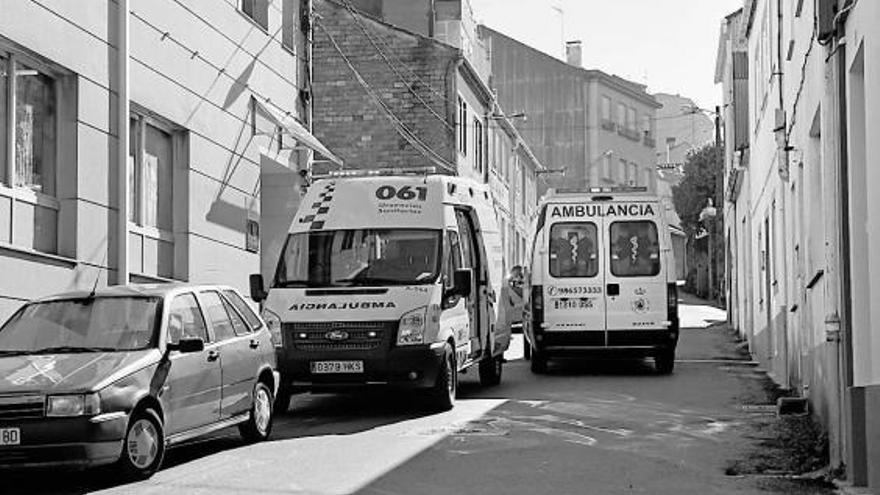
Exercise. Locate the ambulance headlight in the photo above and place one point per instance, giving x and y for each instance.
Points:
(273, 322)
(415, 324)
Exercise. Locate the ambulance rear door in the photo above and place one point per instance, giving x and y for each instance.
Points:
(635, 279)
(574, 289)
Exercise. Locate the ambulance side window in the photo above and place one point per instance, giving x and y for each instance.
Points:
(452, 260)
(635, 249)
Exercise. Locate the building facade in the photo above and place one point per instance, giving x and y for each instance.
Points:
(391, 95)
(599, 128)
(205, 100)
(800, 84)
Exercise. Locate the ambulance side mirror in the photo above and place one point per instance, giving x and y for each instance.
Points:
(462, 282)
(258, 288)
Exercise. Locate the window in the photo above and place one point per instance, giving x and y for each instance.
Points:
(606, 166)
(606, 108)
(150, 187)
(633, 176)
(462, 126)
(621, 115)
(32, 135)
(289, 19)
(252, 320)
(635, 249)
(185, 320)
(574, 250)
(217, 315)
(620, 173)
(452, 260)
(258, 10)
(478, 145)
(238, 324)
(631, 119)
(646, 125)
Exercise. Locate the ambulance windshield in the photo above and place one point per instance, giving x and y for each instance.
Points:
(360, 257)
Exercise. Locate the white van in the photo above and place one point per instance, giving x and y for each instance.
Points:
(601, 279)
(388, 277)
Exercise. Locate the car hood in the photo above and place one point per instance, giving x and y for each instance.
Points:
(74, 372)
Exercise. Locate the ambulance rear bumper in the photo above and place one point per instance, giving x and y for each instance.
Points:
(614, 342)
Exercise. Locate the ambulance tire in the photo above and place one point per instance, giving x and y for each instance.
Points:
(441, 397)
(490, 371)
(664, 361)
(539, 362)
(527, 350)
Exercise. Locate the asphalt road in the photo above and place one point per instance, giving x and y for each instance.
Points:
(599, 427)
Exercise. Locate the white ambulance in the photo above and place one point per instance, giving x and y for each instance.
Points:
(388, 277)
(601, 280)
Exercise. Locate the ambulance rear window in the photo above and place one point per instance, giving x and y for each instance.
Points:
(574, 250)
(635, 249)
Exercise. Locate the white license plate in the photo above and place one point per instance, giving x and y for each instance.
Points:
(10, 436)
(337, 366)
(573, 303)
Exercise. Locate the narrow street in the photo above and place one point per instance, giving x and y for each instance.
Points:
(603, 427)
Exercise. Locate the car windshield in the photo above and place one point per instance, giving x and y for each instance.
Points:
(82, 325)
(342, 258)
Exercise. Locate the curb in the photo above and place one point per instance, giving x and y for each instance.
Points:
(845, 488)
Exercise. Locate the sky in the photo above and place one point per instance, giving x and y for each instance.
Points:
(670, 45)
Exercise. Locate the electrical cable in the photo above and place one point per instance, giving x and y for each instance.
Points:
(399, 125)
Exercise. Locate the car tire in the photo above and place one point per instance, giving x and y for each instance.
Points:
(258, 427)
(143, 447)
(664, 361)
(539, 362)
(441, 397)
(490, 371)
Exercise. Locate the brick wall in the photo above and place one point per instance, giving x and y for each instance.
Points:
(350, 122)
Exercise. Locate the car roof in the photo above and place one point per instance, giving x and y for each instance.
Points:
(135, 290)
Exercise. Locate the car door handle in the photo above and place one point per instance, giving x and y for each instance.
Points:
(213, 355)
(255, 343)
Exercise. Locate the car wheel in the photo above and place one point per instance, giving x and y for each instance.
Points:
(539, 362)
(490, 371)
(441, 397)
(143, 448)
(664, 361)
(258, 427)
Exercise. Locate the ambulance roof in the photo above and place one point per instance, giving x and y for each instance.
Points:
(383, 201)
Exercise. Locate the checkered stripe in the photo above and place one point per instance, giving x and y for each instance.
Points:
(317, 212)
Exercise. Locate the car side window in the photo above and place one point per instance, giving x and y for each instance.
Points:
(185, 319)
(218, 316)
(250, 317)
(238, 324)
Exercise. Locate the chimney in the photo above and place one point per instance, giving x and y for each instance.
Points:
(573, 53)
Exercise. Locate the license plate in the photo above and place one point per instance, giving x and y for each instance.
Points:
(573, 303)
(337, 366)
(10, 436)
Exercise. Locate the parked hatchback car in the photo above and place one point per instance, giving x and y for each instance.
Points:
(120, 374)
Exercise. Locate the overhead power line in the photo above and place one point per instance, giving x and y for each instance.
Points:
(399, 125)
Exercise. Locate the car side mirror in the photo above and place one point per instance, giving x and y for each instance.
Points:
(462, 282)
(188, 345)
(258, 288)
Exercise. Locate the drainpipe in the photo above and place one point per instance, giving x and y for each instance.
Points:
(785, 159)
(122, 50)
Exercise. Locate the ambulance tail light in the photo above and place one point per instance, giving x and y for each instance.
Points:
(672, 299)
(537, 306)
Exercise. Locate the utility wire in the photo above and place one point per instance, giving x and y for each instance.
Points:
(409, 84)
(813, 38)
(399, 125)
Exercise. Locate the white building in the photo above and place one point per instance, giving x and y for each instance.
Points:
(801, 91)
(209, 98)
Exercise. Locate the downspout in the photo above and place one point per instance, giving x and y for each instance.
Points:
(123, 110)
(785, 160)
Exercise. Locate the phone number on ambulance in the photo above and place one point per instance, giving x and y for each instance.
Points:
(573, 291)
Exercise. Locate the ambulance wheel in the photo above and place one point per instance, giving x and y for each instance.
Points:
(282, 400)
(490, 371)
(664, 361)
(527, 350)
(539, 363)
(441, 396)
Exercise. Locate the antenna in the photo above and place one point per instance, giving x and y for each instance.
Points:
(97, 278)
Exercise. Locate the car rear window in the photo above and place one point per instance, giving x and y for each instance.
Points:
(574, 250)
(635, 249)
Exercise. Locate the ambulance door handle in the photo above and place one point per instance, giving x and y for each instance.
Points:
(613, 289)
